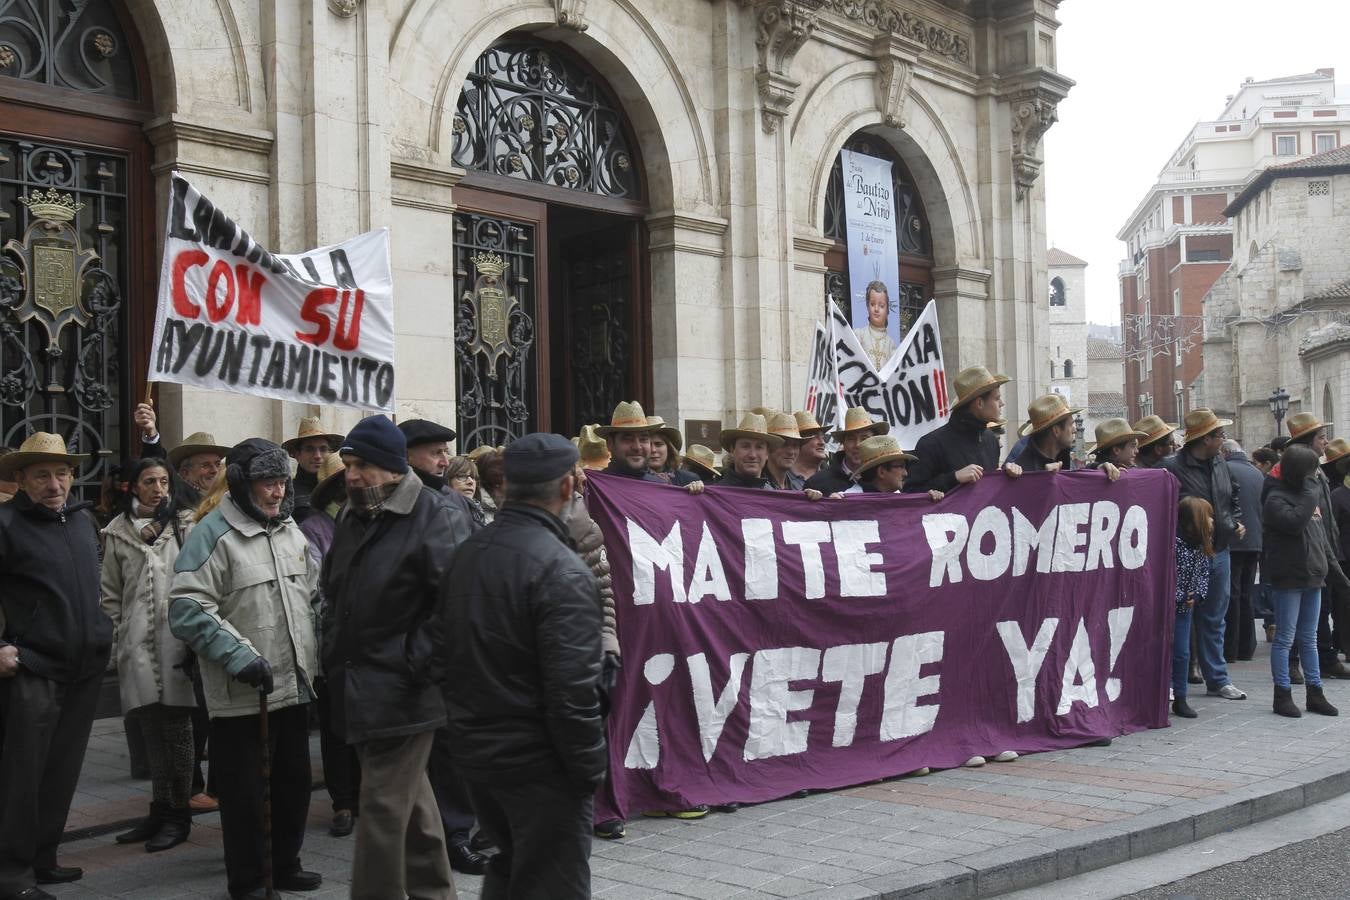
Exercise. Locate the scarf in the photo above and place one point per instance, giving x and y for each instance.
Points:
(367, 502)
(151, 531)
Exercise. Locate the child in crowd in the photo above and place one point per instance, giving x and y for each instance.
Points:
(1194, 548)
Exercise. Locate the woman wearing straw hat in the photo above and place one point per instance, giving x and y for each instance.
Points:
(883, 468)
(664, 458)
(964, 449)
(837, 475)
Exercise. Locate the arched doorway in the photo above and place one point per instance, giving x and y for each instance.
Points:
(912, 233)
(75, 309)
(551, 280)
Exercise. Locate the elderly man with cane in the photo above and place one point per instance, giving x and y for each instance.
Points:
(243, 598)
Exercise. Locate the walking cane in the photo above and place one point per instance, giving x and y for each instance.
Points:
(267, 794)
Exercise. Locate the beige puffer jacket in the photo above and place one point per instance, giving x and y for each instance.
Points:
(135, 594)
(590, 546)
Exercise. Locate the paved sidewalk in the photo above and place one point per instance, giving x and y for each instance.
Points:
(960, 833)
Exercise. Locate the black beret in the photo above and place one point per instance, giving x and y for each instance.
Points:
(539, 457)
(420, 431)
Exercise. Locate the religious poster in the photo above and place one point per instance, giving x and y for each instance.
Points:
(312, 327)
(873, 254)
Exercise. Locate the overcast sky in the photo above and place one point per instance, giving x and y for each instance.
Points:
(1131, 108)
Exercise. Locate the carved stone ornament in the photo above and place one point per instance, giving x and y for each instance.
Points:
(344, 9)
(782, 28)
(1033, 112)
(492, 308)
(571, 14)
(895, 56)
(886, 18)
(51, 264)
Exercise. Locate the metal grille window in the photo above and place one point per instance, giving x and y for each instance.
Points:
(72, 44)
(528, 113)
(1321, 188)
(62, 357)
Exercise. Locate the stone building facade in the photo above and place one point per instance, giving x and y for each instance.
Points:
(659, 177)
(1280, 315)
(1068, 334)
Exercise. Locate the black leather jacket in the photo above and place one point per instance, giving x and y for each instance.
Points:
(1209, 480)
(831, 479)
(49, 589)
(522, 652)
(957, 444)
(379, 634)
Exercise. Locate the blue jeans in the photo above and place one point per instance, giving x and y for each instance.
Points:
(1211, 615)
(1297, 611)
(1181, 653)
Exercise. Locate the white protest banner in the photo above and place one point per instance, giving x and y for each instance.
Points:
(313, 327)
(822, 384)
(869, 214)
(910, 392)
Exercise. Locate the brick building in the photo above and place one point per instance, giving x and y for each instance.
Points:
(1179, 241)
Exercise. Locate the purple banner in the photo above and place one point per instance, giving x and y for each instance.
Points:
(772, 644)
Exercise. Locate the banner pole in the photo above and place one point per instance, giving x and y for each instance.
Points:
(149, 394)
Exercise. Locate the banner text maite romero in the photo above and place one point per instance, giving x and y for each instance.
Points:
(772, 644)
(314, 327)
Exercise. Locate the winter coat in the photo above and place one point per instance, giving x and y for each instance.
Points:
(1340, 506)
(1193, 573)
(49, 590)
(1249, 481)
(833, 477)
(242, 590)
(462, 520)
(1212, 481)
(522, 616)
(136, 578)
(304, 484)
(1295, 548)
(318, 531)
(1031, 459)
(732, 478)
(590, 545)
(963, 440)
(381, 579)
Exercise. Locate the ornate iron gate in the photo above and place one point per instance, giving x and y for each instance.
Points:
(494, 328)
(63, 272)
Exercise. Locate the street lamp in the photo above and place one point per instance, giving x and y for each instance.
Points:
(1078, 430)
(1279, 405)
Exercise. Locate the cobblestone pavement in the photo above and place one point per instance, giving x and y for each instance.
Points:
(960, 832)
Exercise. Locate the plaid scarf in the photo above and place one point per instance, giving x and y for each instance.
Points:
(152, 530)
(367, 502)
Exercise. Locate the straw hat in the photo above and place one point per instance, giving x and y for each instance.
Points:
(1337, 449)
(807, 426)
(856, 420)
(702, 458)
(768, 412)
(971, 383)
(1116, 431)
(627, 417)
(193, 444)
(1201, 421)
(39, 447)
(754, 427)
(785, 426)
(669, 432)
(1045, 411)
(879, 450)
(1303, 424)
(594, 451)
(1154, 429)
(331, 478)
(309, 430)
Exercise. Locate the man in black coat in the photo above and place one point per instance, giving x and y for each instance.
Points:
(1239, 637)
(836, 476)
(522, 656)
(53, 652)
(429, 458)
(1159, 442)
(1200, 470)
(381, 654)
(964, 449)
(1050, 436)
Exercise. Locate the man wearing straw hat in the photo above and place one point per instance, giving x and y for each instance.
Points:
(308, 448)
(702, 462)
(964, 449)
(837, 475)
(1050, 435)
(883, 468)
(748, 446)
(812, 455)
(1158, 442)
(1200, 470)
(199, 460)
(629, 438)
(53, 652)
(780, 467)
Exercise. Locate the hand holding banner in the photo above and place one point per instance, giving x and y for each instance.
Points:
(315, 327)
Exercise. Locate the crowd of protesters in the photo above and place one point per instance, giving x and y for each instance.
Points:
(450, 622)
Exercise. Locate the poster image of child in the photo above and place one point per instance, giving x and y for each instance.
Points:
(876, 337)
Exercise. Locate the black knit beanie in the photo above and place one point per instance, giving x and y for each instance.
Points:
(379, 442)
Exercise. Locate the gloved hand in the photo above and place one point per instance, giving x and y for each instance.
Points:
(257, 674)
(609, 671)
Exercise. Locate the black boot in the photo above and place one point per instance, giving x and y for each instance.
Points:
(147, 827)
(1183, 709)
(1284, 703)
(1317, 702)
(177, 824)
